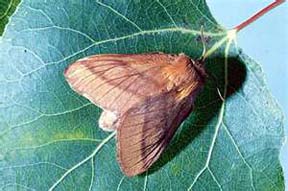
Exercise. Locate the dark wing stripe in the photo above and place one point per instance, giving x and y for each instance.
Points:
(151, 149)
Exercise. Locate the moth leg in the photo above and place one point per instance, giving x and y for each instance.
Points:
(107, 120)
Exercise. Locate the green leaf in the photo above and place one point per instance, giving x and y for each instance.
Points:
(49, 135)
(7, 8)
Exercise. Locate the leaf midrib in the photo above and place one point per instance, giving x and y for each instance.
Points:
(146, 32)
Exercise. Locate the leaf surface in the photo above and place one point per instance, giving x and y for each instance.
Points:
(49, 135)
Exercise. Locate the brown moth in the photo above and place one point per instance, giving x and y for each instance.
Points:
(144, 97)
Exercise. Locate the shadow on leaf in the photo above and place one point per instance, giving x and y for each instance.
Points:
(207, 105)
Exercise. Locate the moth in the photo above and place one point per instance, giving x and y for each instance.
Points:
(144, 97)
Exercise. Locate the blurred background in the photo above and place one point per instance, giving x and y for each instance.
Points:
(266, 41)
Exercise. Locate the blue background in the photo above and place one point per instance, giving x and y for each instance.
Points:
(266, 40)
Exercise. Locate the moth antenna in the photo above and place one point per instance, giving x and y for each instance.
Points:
(202, 58)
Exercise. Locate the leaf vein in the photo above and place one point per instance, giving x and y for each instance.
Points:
(240, 154)
(83, 161)
(60, 28)
(168, 14)
(34, 164)
(118, 187)
(92, 174)
(55, 142)
(119, 14)
(214, 178)
(133, 35)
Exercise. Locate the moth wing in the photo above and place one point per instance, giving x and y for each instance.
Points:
(145, 130)
(115, 82)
